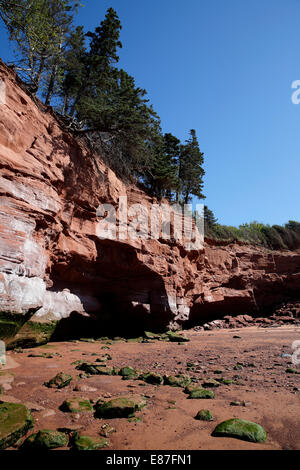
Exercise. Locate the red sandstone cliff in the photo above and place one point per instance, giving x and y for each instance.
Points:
(53, 263)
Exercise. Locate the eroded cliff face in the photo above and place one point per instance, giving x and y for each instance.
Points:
(57, 276)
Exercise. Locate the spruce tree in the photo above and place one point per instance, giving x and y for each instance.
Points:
(191, 170)
(162, 177)
(74, 71)
(38, 28)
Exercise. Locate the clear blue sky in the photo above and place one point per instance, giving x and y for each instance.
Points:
(225, 68)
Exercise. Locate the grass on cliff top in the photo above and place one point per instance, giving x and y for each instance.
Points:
(275, 237)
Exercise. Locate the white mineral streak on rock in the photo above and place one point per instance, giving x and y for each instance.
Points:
(18, 294)
(32, 195)
(58, 305)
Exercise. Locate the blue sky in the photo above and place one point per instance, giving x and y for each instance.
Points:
(225, 68)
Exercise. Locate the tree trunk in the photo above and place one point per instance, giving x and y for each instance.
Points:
(51, 85)
(38, 76)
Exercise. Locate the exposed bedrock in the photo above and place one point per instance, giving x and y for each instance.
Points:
(57, 278)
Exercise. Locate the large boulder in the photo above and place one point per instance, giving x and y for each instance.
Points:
(120, 407)
(241, 429)
(15, 422)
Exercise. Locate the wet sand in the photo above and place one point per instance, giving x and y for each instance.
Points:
(168, 422)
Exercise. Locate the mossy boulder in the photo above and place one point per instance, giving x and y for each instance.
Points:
(61, 380)
(179, 380)
(290, 370)
(210, 383)
(128, 372)
(204, 415)
(241, 429)
(104, 358)
(224, 381)
(90, 443)
(201, 393)
(176, 337)
(15, 422)
(10, 324)
(32, 333)
(150, 335)
(76, 405)
(120, 407)
(46, 440)
(152, 378)
(97, 369)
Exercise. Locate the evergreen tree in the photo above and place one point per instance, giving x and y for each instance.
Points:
(210, 220)
(191, 172)
(163, 175)
(97, 73)
(74, 71)
(38, 28)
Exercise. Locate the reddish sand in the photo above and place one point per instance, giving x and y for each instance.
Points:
(272, 393)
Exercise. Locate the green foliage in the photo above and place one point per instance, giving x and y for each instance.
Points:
(39, 29)
(274, 237)
(162, 177)
(191, 172)
(79, 73)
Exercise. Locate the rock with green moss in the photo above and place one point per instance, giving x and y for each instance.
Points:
(15, 422)
(96, 369)
(176, 337)
(139, 339)
(201, 393)
(61, 380)
(179, 380)
(76, 405)
(120, 407)
(241, 429)
(290, 370)
(46, 439)
(192, 386)
(204, 415)
(152, 378)
(90, 443)
(32, 333)
(210, 383)
(10, 324)
(150, 335)
(104, 358)
(224, 381)
(128, 373)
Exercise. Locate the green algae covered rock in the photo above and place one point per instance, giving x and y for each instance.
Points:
(152, 378)
(90, 443)
(176, 337)
(76, 405)
(150, 335)
(179, 380)
(241, 429)
(46, 440)
(224, 381)
(204, 415)
(15, 421)
(211, 383)
(128, 372)
(290, 370)
(97, 369)
(201, 393)
(61, 380)
(121, 407)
